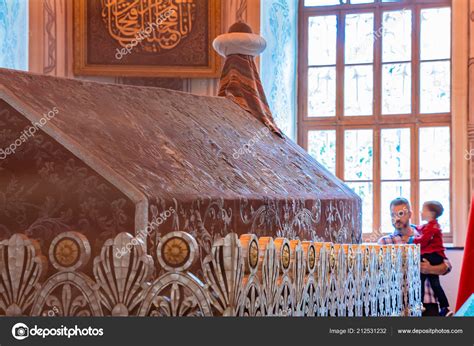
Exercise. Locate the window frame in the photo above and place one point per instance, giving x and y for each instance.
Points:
(377, 121)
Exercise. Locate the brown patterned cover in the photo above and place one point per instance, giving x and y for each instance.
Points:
(46, 190)
(125, 147)
(240, 82)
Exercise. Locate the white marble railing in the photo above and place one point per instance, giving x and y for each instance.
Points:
(246, 276)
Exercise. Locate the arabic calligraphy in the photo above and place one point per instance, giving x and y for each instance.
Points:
(128, 19)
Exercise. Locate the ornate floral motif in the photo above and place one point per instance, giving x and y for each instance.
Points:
(253, 301)
(253, 254)
(69, 250)
(223, 271)
(177, 251)
(246, 276)
(207, 220)
(55, 192)
(270, 274)
(311, 257)
(285, 257)
(67, 294)
(122, 279)
(176, 294)
(21, 268)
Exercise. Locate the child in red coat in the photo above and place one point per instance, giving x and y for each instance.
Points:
(432, 249)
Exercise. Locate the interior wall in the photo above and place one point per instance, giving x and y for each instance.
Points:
(450, 281)
(470, 125)
(14, 39)
(279, 26)
(461, 47)
(51, 43)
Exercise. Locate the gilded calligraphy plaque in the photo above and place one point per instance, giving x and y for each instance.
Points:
(146, 38)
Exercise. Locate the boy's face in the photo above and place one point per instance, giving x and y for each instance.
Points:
(426, 214)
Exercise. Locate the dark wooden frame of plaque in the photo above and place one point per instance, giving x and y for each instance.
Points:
(82, 67)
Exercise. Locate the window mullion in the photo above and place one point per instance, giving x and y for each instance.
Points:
(377, 188)
(302, 79)
(340, 156)
(341, 23)
(415, 172)
(377, 65)
(415, 189)
(415, 70)
(340, 51)
(377, 185)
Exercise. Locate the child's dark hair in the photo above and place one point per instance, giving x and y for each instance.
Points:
(435, 207)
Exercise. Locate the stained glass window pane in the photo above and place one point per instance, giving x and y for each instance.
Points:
(366, 193)
(390, 191)
(396, 41)
(321, 2)
(358, 154)
(359, 38)
(361, 1)
(435, 85)
(435, 153)
(322, 33)
(396, 158)
(358, 90)
(396, 94)
(14, 34)
(437, 191)
(322, 146)
(435, 34)
(322, 92)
